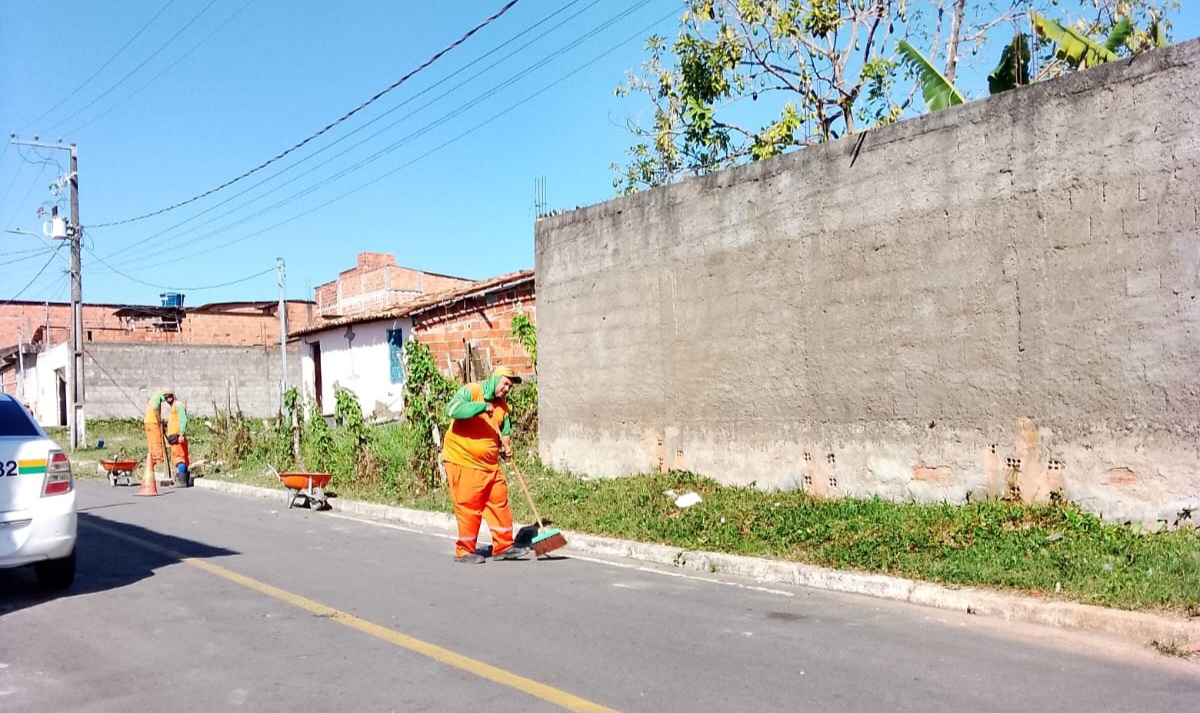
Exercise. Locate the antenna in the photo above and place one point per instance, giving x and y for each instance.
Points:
(540, 201)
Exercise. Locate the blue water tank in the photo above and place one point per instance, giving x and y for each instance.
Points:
(171, 299)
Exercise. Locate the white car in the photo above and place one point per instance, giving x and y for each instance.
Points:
(37, 499)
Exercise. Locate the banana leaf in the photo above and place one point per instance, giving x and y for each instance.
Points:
(938, 92)
(1119, 35)
(1074, 48)
(1013, 69)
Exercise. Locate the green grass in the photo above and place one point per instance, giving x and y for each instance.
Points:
(1044, 550)
(1053, 551)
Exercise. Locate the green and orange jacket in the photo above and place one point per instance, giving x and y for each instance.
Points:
(473, 440)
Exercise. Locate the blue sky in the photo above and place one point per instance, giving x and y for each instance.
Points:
(212, 88)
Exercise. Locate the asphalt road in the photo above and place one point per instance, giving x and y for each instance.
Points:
(200, 601)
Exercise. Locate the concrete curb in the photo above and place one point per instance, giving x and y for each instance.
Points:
(1137, 627)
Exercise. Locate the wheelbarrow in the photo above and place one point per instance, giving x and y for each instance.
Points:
(308, 488)
(119, 470)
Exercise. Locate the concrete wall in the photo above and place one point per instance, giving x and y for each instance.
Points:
(120, 378)
(362, 365)
(1006, 292)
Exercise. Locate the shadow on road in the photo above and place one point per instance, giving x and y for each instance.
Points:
(105, 561)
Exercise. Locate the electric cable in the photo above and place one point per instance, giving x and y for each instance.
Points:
(102, 67)
(363, 127)
(168, 68)
(133, 71)
(457, 111)
(437, 148)
(327, 127)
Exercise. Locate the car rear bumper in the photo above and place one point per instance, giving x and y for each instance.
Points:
(42, 533)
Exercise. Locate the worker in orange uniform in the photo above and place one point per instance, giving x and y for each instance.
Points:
(177, 439)
(478, 436)
(154, 432)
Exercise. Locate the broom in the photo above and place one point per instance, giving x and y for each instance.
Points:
(546, 541)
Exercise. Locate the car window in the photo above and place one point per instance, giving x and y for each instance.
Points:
(15, 421)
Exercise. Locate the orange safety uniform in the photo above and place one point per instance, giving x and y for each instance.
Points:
(471, 454)
(154, 435)
(177, 426)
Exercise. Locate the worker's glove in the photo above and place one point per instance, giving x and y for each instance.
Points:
(506, 449)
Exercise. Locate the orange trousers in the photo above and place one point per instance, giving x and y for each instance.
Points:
(478, 495)
(180, 454)
(154, 444)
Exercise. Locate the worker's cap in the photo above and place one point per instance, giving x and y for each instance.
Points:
(168, 392)
(506, 371)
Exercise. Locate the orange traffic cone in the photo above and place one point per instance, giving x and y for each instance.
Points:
(149, 483)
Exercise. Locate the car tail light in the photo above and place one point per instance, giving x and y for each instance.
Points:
(58, 474)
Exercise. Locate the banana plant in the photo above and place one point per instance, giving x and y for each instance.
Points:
(1077, 49)
(1013, 69)
(939, 93)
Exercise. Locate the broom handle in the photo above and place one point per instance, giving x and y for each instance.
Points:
(520, 477)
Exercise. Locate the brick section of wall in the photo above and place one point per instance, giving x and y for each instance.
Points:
(376, 283)
(238, 326)
(1001, 293)
(486, 322)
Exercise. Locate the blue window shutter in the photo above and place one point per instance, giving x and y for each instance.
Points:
(395, 339)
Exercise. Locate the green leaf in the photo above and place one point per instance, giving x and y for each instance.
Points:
(939, 93)
(1158, 34)
(1119, 35)
(1013, 69)
(1074, 48)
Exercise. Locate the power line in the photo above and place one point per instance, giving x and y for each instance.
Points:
(21, 291)
(180, 289)
(39, 252)
(394, 123)
(11, 183)
(638, 35)
(328, 126)
(395, 145)
(133, 71)
(155, 78)
(88, 81)
(32, 184)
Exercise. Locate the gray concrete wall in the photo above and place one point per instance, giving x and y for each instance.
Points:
(121, 377)
(1003, 293)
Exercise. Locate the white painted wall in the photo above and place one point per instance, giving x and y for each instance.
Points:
(361, 365)
(41, 383)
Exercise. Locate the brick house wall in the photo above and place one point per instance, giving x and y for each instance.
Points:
(377, 283)
(484, 320)
(238, 324)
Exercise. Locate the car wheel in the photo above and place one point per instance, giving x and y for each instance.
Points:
(56, 574)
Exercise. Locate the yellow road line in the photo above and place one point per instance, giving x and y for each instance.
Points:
(437, 653)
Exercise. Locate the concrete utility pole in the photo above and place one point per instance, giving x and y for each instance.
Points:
(76, 418)
(282, 328)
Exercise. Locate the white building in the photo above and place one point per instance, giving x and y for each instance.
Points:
(363, 357)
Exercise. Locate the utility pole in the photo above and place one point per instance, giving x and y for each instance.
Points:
(76, 419)
(21, 364)
(282, 329)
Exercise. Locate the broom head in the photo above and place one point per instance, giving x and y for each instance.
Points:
(547, 542)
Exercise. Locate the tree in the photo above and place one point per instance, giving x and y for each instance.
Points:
(750, 79)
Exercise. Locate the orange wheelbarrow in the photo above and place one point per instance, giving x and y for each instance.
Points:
(308, 488)
(119, 470)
